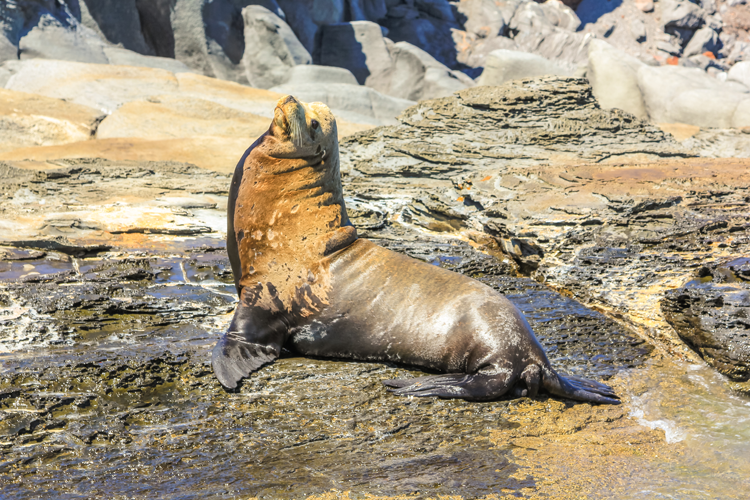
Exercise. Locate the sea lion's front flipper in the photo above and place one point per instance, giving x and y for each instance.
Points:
(250, 343)
(472, 387)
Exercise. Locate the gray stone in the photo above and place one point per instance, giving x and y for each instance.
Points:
(8, 50)
(271, 48)
(505, 65)
(125, 57)
(354, 103)
(367, 10)
(741, 117)
(740, 72)
(560, 15)
(306, 17)
(439, 9)
(359, 47)
(688, 95)
(431, 34)
(117, 20)
(313, 73)
(473, 51)
(156, 26)
(638, 30)
(613, 75)
(669, 47)
(681, 14)
(50, 39)
(706, 107)
(704, 40)
(416, 75)
(483, 17)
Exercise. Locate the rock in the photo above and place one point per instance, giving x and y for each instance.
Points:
(117, 20)
(271, 48)
(125, 57)
(313, 73)
(704, 40)
(472, 50)
(28, 120)
(663, 90)
(741, 118)
(174, 116)
(681, 14)
(400, 70)
(645, 5)
(560, 15)
(50, 39)
(439, 9)
(156, 26)
(430, 33)
(107, 87)
(354, 103)
(359, 47)
(306, 17)
(712, 319)
(638, 30)
(537, 32)
(367, 10)
(740, 72)
(668, 47)
(483, 18)
(505, 65)
(705, 107)
(614, 78)
(8, 50)
(416, 75)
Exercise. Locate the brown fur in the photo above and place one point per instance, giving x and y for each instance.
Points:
(290, 211)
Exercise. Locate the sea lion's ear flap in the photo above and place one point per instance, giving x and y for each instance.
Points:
(244, 348)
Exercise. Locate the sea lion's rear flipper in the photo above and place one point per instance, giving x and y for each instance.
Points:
(245, 347)
(578, 388)
(472, 387)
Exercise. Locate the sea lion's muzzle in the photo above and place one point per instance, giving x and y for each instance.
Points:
(289, 116)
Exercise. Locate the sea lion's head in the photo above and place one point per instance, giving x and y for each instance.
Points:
(303, 130)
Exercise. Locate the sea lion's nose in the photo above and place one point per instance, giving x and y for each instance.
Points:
(289, 99)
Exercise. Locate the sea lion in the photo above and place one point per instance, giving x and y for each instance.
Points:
(307, 283)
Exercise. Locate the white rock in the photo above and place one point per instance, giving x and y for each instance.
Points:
(271, 48)
(314, 73)
(740, 72)
(704, 40)
(125, 57)
(741, 116)
(614, 78)
(505, 65)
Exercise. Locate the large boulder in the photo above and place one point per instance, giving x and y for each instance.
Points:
(354, 103)
(313, 73)
(416, 75)
(125, 57)
(704, 40)
(548, 31)
(431, 30)
(614, 78)
(505, 65)
(175, 116)
(741, 118)
(689, 95)
(359, 47)
(8, 50)
(682, 14)
(740, 73)
(117, 20)
(50, 38)
(271, 48)
(28, 120)
(400, 70)
(483, 17)
(306, 17)
(107, 87)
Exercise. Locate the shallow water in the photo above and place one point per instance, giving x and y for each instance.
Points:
(697, 411)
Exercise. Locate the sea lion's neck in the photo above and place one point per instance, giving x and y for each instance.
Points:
(286, 212)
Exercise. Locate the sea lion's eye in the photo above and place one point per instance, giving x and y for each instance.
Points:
(314, 124)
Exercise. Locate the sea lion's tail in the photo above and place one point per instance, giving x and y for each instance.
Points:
(578, 388)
